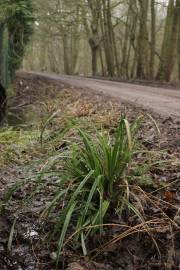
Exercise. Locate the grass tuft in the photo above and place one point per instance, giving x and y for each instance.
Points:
(97, 167)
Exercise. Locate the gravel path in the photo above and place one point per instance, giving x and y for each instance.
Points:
(165, 102)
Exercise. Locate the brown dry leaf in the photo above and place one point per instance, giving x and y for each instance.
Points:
(82, 112)
(76, 266)
(83, 265)
(169, 195)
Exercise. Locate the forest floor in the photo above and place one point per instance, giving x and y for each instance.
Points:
(39, 111)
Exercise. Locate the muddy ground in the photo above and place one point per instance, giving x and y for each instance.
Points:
(155, 182)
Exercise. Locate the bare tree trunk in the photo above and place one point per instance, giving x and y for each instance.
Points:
(133, 34)
(42, 57)
(94, 53)
(125, 43)
(66, 56)
(116, 55)
(153, 38)
(93, 32)
(102, 62)
(142, 64)
(1, 53)
(169, 45)
(178, 49)
(112, 39)
(75, 49)
(107, 38)
(3, 72)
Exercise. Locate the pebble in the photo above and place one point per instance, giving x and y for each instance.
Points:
(53, 256)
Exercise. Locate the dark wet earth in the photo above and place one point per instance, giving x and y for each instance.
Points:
(28, 248)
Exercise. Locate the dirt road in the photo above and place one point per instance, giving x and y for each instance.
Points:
(165, 102)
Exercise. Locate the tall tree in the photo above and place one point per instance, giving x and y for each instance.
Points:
(143, 53)
(95, 8)
(153, 39)
(169, 44)
(178, 43)
(107, 32)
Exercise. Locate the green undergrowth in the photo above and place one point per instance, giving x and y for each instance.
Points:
(95, 169)
(14, 143)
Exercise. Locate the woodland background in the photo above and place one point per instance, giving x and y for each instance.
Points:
(129, 39)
